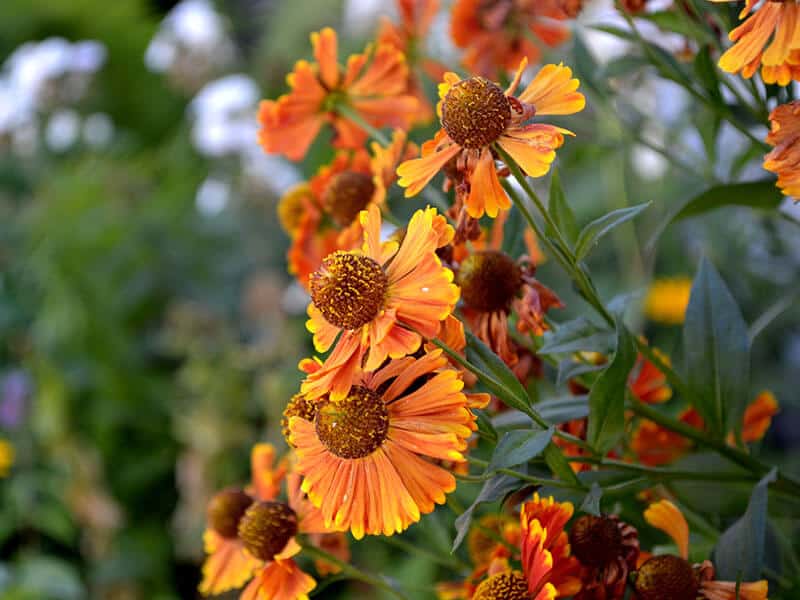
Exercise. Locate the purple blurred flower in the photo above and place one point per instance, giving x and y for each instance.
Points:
(13, 398)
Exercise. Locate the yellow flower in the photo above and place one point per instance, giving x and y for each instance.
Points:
(667, 300)
(6, 457)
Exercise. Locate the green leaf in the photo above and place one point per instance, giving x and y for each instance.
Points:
(568, 369)
(518, 447)
(485, 425)
(559, 465)
(755, 194)
(599, 227)
(607, 397)
(560, 211)
(501, 381)
(624, 65)
(577, 335)
(716, 353)
(740, 550)
(514, 233)
(670, 20)
(762, 195)
(706, 72)
(494, 489)
(591, 503)
(561, 410)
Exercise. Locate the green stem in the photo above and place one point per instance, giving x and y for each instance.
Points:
(560, 250)
(701, 438)
(350, 571)
(529, 478)
(659, 473)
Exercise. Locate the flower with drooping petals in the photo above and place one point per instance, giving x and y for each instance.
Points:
(784, 136)
(476, 114)
(778, 21)
(497, 34)
(366, 456)
(671, 576)
(408, 36)
(332, 200)
(373, 85)
(492, 285)
(667, 299)
(607, 549)
(251, 536)
(379, 302)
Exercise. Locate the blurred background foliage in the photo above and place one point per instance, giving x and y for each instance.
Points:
(149, 331)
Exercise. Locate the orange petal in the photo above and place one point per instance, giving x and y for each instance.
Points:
(667, 517)
(554, 92)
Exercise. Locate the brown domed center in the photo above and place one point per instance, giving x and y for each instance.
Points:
(353, 427)
(266, 528)
(509, 585)
(226, 509)
(666, 577)
(347, 194)
(489, 280)
(349, 289)
(596, 541)
(475, 112)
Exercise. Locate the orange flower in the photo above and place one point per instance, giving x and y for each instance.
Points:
(667, 299)
(492, 285)
(499, 33)
(408, 37)
(607, 549)
(780, 61)
(331, 202)
(372, 85)
(654, 446)
(476, 114)
(251, 536)
(378, 303)
(784, 159)
(670, 576)
(543, 521)
(647, 383)
(366, 456)
(758, 417)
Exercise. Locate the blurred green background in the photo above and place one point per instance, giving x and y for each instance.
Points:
(149, 333)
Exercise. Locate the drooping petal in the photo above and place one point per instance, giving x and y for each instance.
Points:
(280, 580)
(554, 92)
(227, 567)
(667, 517)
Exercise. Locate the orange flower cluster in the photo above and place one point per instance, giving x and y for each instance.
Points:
(384, 418)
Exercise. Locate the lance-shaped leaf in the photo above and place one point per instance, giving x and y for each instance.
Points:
(607, 396)
(496, 376)
(591, 503)
(740, 550)
(717, 353)
(497, 487)
(577, 335)
(519, 446)
(590, 234)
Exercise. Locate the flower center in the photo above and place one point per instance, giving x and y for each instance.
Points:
(489, 280)
(349, 289)
(353, 427)
(299, 406)
(666, 577)
(266, 528)
(347, 194)
(595, 541)
(475, 112)
(292, 207)
(509, 585)
(226, 509)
